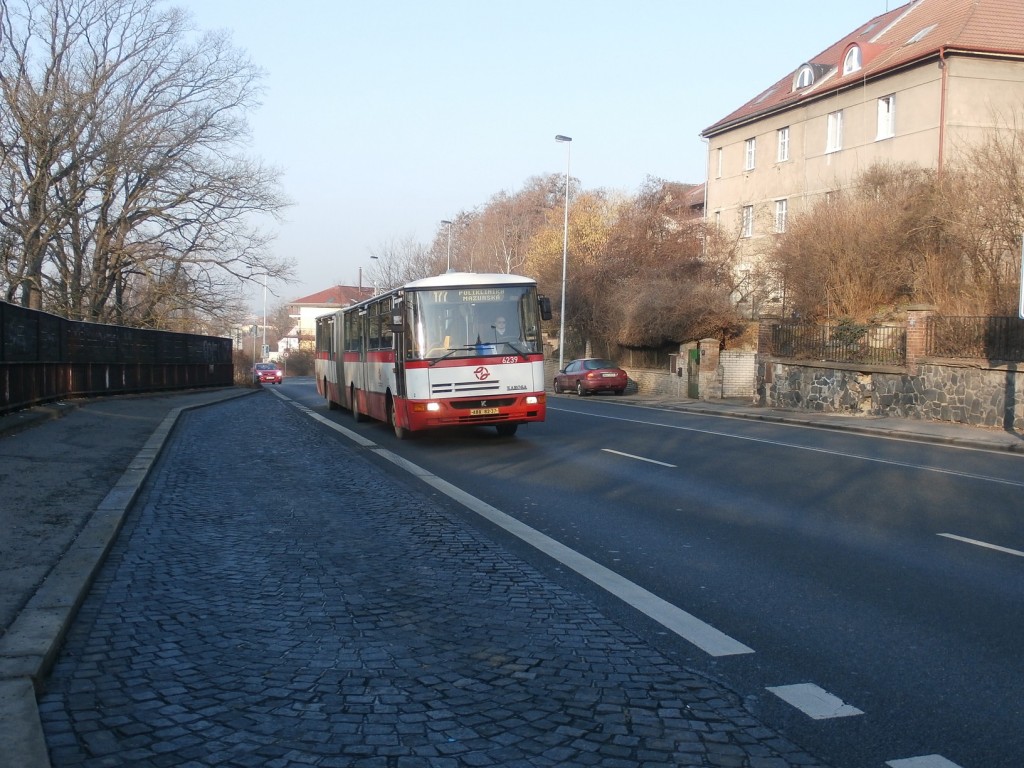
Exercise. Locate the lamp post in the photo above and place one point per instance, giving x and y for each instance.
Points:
(263, 349)
(445, 221)
(567, 140)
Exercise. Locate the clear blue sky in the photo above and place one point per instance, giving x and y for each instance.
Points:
(389, 116)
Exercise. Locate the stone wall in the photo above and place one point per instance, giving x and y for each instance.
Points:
(978, 393)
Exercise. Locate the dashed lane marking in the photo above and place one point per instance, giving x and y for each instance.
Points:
(815, 702)
(925, 761)
(812, 449)
(639, 458)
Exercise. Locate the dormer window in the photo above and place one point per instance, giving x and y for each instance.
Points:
(921, 34)
(852, 62)
(804, 77)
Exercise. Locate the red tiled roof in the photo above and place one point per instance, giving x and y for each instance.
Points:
(913, 32)
(338, 296)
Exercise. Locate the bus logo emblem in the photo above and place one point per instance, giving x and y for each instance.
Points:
(482, 373)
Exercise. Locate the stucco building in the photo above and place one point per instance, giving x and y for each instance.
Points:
(914, 85)
(304, 311)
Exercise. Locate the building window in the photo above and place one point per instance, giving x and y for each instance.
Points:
(835, 132)
(783, 145)
(886, 117)
(747, 227)
(781, 210)
(719, 163)
(718, 219)
(751, 149)
(804, 77)
(852, 61)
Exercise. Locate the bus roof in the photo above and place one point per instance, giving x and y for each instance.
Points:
(463, 279)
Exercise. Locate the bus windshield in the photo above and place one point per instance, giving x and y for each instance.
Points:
(471, 321)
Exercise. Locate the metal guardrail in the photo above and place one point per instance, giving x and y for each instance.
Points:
(44, 358)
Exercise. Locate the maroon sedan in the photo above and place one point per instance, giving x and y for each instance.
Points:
(589, 375)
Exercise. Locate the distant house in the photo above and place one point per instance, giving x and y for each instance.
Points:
(306, 310)
(915, 85)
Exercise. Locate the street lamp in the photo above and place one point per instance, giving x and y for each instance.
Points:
(445, 221)
(567, 140)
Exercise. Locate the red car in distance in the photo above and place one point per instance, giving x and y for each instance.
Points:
(268, 372)
(589, 375)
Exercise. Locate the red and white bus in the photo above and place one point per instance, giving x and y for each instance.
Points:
(455, 349)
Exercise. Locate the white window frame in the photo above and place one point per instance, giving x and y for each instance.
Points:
(886, 117)
(782, 155)
(747, 221)
(834, 141)
(852, 62)
(781, 214)
(749, 154)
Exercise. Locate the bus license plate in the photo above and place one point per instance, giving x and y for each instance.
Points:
(484, 411)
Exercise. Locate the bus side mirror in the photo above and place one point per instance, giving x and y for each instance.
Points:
(545, 307)
(396, 324)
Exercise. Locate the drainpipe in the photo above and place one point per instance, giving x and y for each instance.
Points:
(942, 109)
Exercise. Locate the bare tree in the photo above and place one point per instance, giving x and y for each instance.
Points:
(397, 262)
(656, 284)
(121, 168)
(983, 215)
(857, 253)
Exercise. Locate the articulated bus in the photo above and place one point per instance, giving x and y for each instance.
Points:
(455, 349)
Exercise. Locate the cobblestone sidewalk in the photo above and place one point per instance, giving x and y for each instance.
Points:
(268, 605)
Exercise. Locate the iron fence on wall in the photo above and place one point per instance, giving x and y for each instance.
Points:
(993, 338)
(840, 343)
(44, 357)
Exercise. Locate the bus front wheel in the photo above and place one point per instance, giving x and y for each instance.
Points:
(400, 432)
(506, 430)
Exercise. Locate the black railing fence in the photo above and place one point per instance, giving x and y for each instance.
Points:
(840, 343)
(994, 338)
(44, 357)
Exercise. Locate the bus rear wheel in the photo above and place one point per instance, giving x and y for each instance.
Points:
(356, 415)
(331, 405)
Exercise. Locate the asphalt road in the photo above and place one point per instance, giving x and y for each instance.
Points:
(843, 561)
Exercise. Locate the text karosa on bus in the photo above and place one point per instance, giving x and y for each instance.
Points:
(455, 349)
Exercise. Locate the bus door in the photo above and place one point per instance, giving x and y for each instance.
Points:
(397, 321)
(356, 337)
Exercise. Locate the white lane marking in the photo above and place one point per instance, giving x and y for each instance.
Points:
(687, 626)
(814, 702)
(353, 436)
(925, 761)
(639, 458)
(985, 544)
(784, 444)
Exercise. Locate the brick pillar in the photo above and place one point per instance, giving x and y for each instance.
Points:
(917, 334)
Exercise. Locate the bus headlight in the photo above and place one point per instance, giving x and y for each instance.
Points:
(534, 399)
(426, 407)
